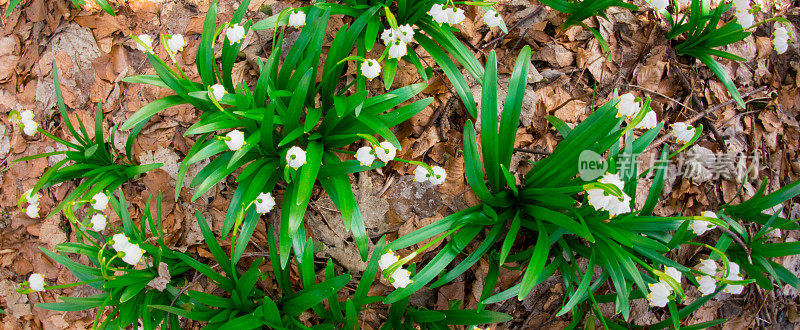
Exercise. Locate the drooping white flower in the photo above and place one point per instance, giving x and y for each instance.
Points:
(385, 151)
(297, 18)
(600, 200)
(707, 285)
(26, 115)
(657, 300)
(296, 157)
(397, 49)
(421, 174)
(235, 139)
(402, 278)
(649, 121)
(120, 242)
(98, 222)
(745, 19)
(780, 39)
(734, 275)
(439, 13)
(734, 288)
(492, 18)
(235, 33)
(36, 282)
(132, 254)
(388, 36)
(32, 210)
(674, 273)
(365, 156)
(218, 91)
(29, 127)
(661, 5)
(659, 294)
(387, 259)
(146, 44)
(437, 176)
(99, 201)
(683, 132)
(707, 266)
(32, 198)
(627, 106)
(699, 227)
(455, 15)
(176, 43)
(370, 68)
(405, 33)
(264, 203)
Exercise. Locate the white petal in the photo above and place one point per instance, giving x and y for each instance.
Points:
(297, 18)
(36, 282)
(649, 121)
(133, 254)
(421, 174)
(236, 140)
(370, 68)
(387, 259)
(295, 157)
(99, 201)
(707, 285)
(264, 203)
(120, 242)
(98, 222)
(438, 176)
(365, 156)
(385, 151)
(492, 19)
(397, 49)
(32, 210)
(235, 33)
(218, 91)
(627, 106)
(707, 266)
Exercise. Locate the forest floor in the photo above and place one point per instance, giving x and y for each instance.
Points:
(570, 74)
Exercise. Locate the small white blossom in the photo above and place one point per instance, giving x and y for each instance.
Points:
(627, 106)
(32, 210)
(659, 294)
(421, 174)
(176, 43)
(492, 18)
(26, 115)
(661, 5)
(120, 242)
(780, 39)
(370, 68)
(264, 203)
(657, 300)
(132, 254)
(455, 15)
(707, 266)
(99, 201)
(600, 200)
(218, 91)
(32, 198)
(699, 227)
(437, 176)
(734, 275)
(385, 151)
(146, 44)
(365, 156)
(683, 132)
(707, 285)
(29, 127)
(297, 18)
(745, 19)
(405, 33)
(397, 49)
(674, 273)
(296, 157)
(36, 282)
(98, 222)
(439, 13)
(235, 139)
(649, 121)
(402, 278)
(387, 259)
(734, 269)
(235, 33)
(388, 36)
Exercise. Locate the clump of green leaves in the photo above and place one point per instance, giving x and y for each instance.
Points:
(579, 11)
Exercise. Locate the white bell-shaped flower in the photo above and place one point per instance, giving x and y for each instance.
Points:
(660, 5)
(99, 201)
(36, 282)
(492, 18)
(26, 115)
(674, 273)
(365, 156)
(120, 242)
(385, 151)
(600, 200)
(405, 33)
(176, 43)
(421, 174)
(98, 222)
(659, 294)
(296, 157)
(218, 91)
(734, 275)
(132, 254)
(683, 132)
(780, 39)
(370, 68)
(32, 198)
(146, 44)
(235, 139)
(297, 18)
(649, 121)
(745, 19)
(627, 106)
(455, 15)
(657, 300)
(387, 259)
(699, 227)
(29, 127)
(439, 13)
(437, 176)
(397, 49)
(235, 33)
(401, 278)
(707, 285)
(264, 203)
(389, 36)
(707, 266)
(32, 210)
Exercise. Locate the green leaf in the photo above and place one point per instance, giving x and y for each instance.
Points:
(536, 263)
(147, 111)
(513, 106)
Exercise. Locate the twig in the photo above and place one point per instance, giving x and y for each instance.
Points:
(531, 151)
(516, 24)
(659, 94)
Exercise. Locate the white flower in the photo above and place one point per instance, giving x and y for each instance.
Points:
(397, 49)
(297, 18)
(32, 199)
(29, 127)
(402, 278)
(365, 156)
(218, 91)
(421, 174)
(745, 19)
(132, 254)
(734, 269)
(780, 39)
(176, 43)
(627, 106)
(388, 36)
(146, 44)
(36, 282)
(235, 139)
(707, 285)
(437, 176)
(120, 242)
(659, 294)
(405, 33)
(370, 68)
(235, 33)
(99, 201)
(699, 227)
(649, 121)
(387, 259)
(32, 210)
(492, 18)
(707, 266)
(385, 151)
(657, 300)
(741, 5)
(264, 203)
(98, 222)
(296, 157)
(439, 13)
(26, 115)
(674, 273)
(683, 132)
(600, 200)
(661, 5)
(734, 288)
(455, 15)
(734, 275)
